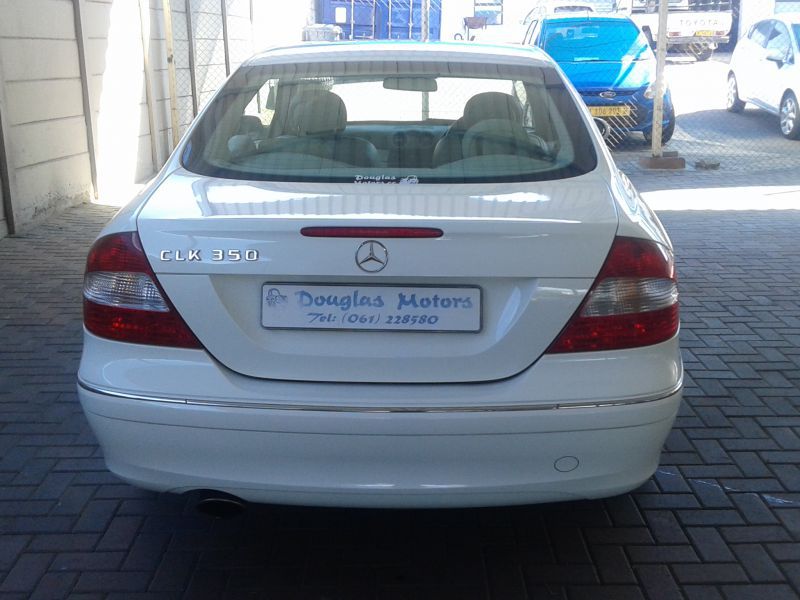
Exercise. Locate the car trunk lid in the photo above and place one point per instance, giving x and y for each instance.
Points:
(523, 253)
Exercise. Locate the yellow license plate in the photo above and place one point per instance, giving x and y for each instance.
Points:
(610, 111)
(704, 33)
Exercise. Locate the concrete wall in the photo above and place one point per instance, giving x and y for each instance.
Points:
(44, 99)
(44, 127)
(47, 138)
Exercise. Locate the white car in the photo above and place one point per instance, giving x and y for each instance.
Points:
(764, 71)
(381, 274)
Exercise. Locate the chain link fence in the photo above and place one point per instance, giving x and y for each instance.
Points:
(211, 38)
(381, 19)
(716, 129)
(733, 136)
(731, 107)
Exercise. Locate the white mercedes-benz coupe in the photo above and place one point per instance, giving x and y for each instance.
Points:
(386, 275)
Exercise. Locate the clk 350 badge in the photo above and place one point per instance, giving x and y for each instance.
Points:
(215, 255)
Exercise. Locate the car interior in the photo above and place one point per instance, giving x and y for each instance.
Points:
(313, 123)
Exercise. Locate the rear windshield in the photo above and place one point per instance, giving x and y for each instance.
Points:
(592, 41)
(392, 122)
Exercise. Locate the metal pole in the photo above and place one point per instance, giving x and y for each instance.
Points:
(88, 109)
(192, 73)
(661, 61)
(426, 100)
(225, 41)
(173, 81)
(426, 20)
(352, 19)
(411, 20)
(252, 49)
(390, 19)
(144, 29)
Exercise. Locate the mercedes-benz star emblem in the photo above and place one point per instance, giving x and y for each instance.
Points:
(372, 256)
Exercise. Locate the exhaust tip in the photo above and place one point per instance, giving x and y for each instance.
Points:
(220, 506)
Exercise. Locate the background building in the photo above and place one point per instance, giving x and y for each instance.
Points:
(85, 102)
(84, 89)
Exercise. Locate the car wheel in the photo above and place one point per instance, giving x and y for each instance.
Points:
(734, 103)
(615, 138)
(666, 133)
(790, 119)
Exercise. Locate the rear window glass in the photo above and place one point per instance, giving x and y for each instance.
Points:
(593, 41)
(392, 122)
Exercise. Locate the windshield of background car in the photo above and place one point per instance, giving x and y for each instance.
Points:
(392, 122)
(594, 40)
(796, 32)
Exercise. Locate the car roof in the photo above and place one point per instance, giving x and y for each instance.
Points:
(588, 16)
(468, 52)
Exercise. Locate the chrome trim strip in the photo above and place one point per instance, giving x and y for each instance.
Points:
(387, 409)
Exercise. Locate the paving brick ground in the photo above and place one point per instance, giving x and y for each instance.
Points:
(719, 520)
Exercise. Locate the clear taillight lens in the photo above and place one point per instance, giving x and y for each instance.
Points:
(122, 298)
(633, 302)
(124, 290)
(626, 295)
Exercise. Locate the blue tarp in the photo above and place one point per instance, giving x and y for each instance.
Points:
(380, 19)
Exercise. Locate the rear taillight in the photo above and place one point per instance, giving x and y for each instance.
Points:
(633, 302)
(122, 299)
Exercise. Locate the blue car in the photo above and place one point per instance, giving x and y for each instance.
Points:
(611, 64)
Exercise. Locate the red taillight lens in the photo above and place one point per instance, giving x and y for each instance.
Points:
(633, 302)
(122, 299)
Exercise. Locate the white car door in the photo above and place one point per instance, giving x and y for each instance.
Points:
(778, 64)
(748, 60)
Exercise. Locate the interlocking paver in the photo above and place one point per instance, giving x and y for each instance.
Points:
(720, 520)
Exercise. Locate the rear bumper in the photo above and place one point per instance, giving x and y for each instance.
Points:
(382, 460)
(544, 435)
(705, 40)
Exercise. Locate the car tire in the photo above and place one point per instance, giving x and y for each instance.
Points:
(615, 139)
(790, 116)
(733, 103)
(666, 133)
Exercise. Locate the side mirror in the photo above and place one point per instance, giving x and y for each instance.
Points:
(776, 56)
